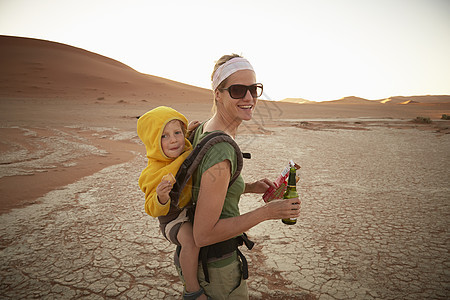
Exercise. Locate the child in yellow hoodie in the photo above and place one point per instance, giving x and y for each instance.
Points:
(163, 132)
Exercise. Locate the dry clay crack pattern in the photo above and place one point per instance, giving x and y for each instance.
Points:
(374, 225)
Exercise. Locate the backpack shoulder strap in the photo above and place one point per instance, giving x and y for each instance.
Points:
(191, 163)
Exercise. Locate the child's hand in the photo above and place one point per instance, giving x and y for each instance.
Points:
(162, 190)
(192, 125)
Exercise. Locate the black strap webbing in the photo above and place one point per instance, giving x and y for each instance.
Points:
(220, 249)
(191, 163)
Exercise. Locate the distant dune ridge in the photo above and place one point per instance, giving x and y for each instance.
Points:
(297, 100)
(391, 100)
(417, 99)
(38, 69)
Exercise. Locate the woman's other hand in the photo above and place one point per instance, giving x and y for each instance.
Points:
(259, 187)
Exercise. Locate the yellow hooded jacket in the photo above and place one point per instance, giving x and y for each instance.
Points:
(149, 128)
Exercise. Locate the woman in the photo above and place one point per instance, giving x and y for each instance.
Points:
(217, 216)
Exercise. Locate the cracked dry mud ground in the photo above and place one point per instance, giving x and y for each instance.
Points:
(375, 225)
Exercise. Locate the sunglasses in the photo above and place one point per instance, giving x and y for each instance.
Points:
(238, 91)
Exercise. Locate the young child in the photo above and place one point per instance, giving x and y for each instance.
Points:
(163, 132)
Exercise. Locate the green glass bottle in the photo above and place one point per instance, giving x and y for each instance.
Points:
(291, 192)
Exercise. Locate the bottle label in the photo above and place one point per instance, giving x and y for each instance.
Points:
(280, 187)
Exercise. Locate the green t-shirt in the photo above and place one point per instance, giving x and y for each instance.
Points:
(218, 153)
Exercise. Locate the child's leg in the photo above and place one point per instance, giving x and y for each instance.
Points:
(189, 257)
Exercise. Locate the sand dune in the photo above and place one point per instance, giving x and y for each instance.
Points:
(351, 100)
(43, 69)
(430, 99)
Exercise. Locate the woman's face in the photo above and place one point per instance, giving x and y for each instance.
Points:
(241, 109)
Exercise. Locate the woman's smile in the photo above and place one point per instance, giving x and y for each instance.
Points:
(245, 106)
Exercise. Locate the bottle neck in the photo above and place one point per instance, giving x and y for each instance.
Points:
(292, 179)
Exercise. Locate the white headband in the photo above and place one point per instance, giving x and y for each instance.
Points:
(228, 68)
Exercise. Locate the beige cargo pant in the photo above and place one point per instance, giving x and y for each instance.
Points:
(225, 282)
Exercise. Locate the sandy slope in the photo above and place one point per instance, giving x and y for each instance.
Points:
(41, 69)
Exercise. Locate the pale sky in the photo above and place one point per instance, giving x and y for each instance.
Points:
(316, 50)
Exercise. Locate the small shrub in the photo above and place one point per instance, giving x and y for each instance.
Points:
(445, 117)
(422, 120)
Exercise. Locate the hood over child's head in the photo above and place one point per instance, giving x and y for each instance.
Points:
(151, 125)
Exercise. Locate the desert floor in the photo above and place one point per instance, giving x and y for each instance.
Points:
(374, 190)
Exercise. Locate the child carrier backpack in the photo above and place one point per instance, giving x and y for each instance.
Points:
(183, 175)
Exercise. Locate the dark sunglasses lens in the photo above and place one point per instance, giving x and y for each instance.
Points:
(238, 91)
(255, 90)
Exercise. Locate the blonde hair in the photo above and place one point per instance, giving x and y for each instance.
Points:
(220, 62)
